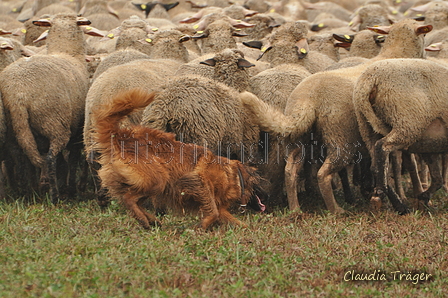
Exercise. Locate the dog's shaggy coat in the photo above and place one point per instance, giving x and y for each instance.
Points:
(140, 163)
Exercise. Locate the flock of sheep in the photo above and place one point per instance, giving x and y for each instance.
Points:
(303, 91)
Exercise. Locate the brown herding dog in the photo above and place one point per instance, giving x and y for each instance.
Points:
(139, 163)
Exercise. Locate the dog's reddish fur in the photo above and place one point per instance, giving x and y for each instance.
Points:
(170, 173)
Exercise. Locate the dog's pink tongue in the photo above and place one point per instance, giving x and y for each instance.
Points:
(260, 204)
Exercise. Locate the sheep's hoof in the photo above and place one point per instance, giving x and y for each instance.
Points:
(376, 203)
(338, 210)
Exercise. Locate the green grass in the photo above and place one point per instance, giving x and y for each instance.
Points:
(79, 250)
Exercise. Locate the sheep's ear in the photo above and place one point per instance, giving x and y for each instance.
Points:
(419, 18)
(80, 21)
(354, 22)
(170, 6)
(422, 8)
(112, 34)
(380, 29)
(43, 36)
(42, 23)
(435, 47)
(112, 11)
(318, 27)
(238, 33)
(209, 62)
(184, 38)
(200, 34)
(146, 41)
(92, 31)
(6, 45)
(240, 24)
(243, 63)
(264, 50)
(379, 38)
(145, 7)
(345, 45)
(423, 29)
(253, 44)
(249, 13)
(344, 38)
(4, 32)
(302, 48)
(195, 5)
(19, 32)
(194, 18)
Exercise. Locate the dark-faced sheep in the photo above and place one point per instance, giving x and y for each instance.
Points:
(44, 95)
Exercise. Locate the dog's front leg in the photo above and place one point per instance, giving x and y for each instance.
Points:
(134, 204)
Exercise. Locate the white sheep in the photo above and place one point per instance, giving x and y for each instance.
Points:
(401, 104)
(33, 111)
(322, 104)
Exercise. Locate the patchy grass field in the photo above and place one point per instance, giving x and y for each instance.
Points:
(79, 250)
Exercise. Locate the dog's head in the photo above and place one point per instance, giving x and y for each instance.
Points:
(252, 192)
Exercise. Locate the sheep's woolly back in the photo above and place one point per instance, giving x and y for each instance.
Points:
(274, 85)
(117, 58)
(403, 94)
(198, 110)
(46, 94)
(146, 74)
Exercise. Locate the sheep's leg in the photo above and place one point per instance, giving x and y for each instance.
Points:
(325, 176)
(348, 195)
(433, 161)
(292, 169)
(411, 165)
(133, 203)
(51, 163)
(74, 158)
(396, 170)
(383, 148)
(445, 171)
(423, 171)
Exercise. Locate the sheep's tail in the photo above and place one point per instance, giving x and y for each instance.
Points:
(24, 135)
(108, 116)
(272, 120)
(364, 96)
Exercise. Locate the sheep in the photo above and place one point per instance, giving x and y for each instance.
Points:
(288, 44)
(10, 51)
(205, 112)
(156, 9)
(214, 36)
(264, 24)
(117, 58)
(324, 43)
(53, 115)
(400, 104)
(368, 16)
(323, 101)
(363, 45)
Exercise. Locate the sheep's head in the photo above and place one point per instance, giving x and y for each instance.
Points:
(151, 6)
(167, 44)
(405, 39)
(230, 68)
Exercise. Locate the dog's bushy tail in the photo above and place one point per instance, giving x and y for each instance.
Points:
(108, 116)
